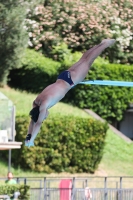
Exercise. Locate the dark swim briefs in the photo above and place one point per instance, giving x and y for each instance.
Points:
(66, 76)
(34, 113)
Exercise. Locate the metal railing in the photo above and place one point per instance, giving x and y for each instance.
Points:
(102, 188)
(78, 182)
(79, 194)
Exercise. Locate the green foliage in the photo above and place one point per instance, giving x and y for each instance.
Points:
(64, 55)
(82, 24)
(63, 144)
(13, 34)
(59, 52)
(10, 189)
(35, 74)
(110, 102)
(13, 37)
(71, 59)
(38, 67)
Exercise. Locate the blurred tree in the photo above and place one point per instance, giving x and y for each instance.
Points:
(13, 34)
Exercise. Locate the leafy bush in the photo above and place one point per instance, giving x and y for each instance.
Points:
(35, 74)
(41, 71)
(10, 189)
(65, 56)
(82, 24)
(110, 102)
(63, 144)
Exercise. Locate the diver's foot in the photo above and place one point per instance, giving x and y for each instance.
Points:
(109, 42)
(29, 144)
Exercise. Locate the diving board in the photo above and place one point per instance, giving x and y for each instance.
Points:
(107, 82)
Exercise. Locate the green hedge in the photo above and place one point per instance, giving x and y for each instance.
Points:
(37, 71)
(10, 189)
(110, 102)
(35, 74)
(63, 144)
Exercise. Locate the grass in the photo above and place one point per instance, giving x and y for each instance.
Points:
(118, 154)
